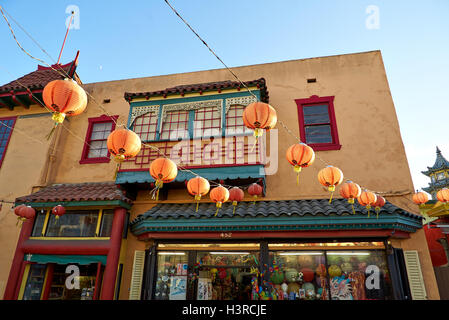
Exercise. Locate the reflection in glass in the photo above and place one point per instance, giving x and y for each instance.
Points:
(171, 282)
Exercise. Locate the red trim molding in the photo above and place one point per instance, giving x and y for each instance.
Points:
(277, 234)
(9, 138)
(92, 121)
(315, 100)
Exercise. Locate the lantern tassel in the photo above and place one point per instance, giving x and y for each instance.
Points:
(48, 136)
(377, 212)
(353, 210)
(116, 170)
(368, 207)
(233, 211)
(330, 200)
(197, 203)
(218, 208)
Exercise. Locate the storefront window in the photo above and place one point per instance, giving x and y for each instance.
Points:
(358, 275)
(106, 223)
(35, 282)
(87, 277)
(73, 224)
(38, 224)
(298, 276)
(171, 283)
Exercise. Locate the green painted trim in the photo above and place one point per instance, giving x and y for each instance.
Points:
(77, 204)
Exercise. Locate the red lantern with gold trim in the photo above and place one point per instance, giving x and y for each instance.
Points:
(236, 195)
(255, 190)
(330, 177)
(198, 187)
(219, 195)
(163, 170)
(300, 156)
(58, 211)
(367, 199)
(380, 202)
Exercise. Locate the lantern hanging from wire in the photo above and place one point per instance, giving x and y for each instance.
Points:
(420, 198)
(259, 116)
(255, 190)
(443, 195)
(198, 187)
(64, 98)
(380, 202)
(330, 177)
(24, 212)
(123, 144)
(367, 199)
(219, 195)
(236, 195)
(17, 212)
(350, 190)
(163, 170)
(58, 211)
(300, 156)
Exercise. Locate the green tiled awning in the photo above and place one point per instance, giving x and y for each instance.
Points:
(65, 259)
(221, 173)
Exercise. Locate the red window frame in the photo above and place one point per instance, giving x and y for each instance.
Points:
(138, 128)
(209, 116)
(232, 114)
(92, 121)
(170, 126)
(315, 100)
(2, 156)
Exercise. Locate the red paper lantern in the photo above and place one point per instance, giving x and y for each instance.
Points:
(330, 177)
(259, 116)
(367, 199)
(380, 202)
(300, 156)
(123, 144)
(236, 195)
(58, 211)
(255, 190)
(350, 190)
(163, 170)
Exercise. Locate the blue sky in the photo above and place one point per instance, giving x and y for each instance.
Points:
(119, 40)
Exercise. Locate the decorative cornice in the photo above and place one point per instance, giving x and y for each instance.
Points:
(243, 101)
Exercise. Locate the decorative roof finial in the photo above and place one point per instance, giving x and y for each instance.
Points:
(438, 150)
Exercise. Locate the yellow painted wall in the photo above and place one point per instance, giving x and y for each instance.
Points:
(372, 152)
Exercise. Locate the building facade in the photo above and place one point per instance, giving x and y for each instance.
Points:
(290, 243)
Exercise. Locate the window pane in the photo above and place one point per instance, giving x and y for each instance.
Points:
(175, 125)
(318, 134)
(106, 223)
(73, 224)
(38, 224)
(172, 276)
(97, 149)
(234, 121)
(35, 282)
(316, 114)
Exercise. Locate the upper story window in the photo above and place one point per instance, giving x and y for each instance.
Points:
(234, 121)
(74, 223)
(441, 176)
(6, 127)
(317, 123)
(207, 122)
(175, 125)
(95, 147)
(145, 126)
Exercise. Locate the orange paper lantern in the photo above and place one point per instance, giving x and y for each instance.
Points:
(163, 170)
(219, 195)
(350, 190)
(330, 177)
(443, 195)
(235, 195)
(255, 190)
(420, 198)
(198, 187)
(65, 98)
(367, 199)
(300, 156)
(259, 116)
(123, 144)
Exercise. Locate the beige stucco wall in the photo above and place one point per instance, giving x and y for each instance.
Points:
(372, 152)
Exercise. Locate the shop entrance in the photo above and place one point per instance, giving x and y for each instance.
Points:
(272, 271)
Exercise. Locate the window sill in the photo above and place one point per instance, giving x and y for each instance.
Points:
(325, 146)
(68, 238)
(95, 160)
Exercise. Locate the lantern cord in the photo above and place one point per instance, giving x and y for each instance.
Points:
(330, 200)
(197, 203)
(48, 136)
(233, 211)
(353, 210)
(216, 212)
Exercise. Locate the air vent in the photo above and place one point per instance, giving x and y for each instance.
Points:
(311, 80)
(106, 100)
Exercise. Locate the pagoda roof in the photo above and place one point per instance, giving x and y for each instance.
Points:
(440, 164)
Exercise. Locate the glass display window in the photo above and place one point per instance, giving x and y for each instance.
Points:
(35, 282)
(171, 282)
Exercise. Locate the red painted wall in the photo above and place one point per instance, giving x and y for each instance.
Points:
(436, 250)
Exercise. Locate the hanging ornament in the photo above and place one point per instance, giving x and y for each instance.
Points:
(300, 156)
(255, 190)
(17, 212)
(198, 187)
(380, 202)
(58, 211)
(123, 144)
(420, 198)
(443, 195)
(367, 199)
(24, 212)
(259, 116)
(163, 170)
(219, 195)
(330, 177)
(236, 195)
(350, 190)
(64, 98)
